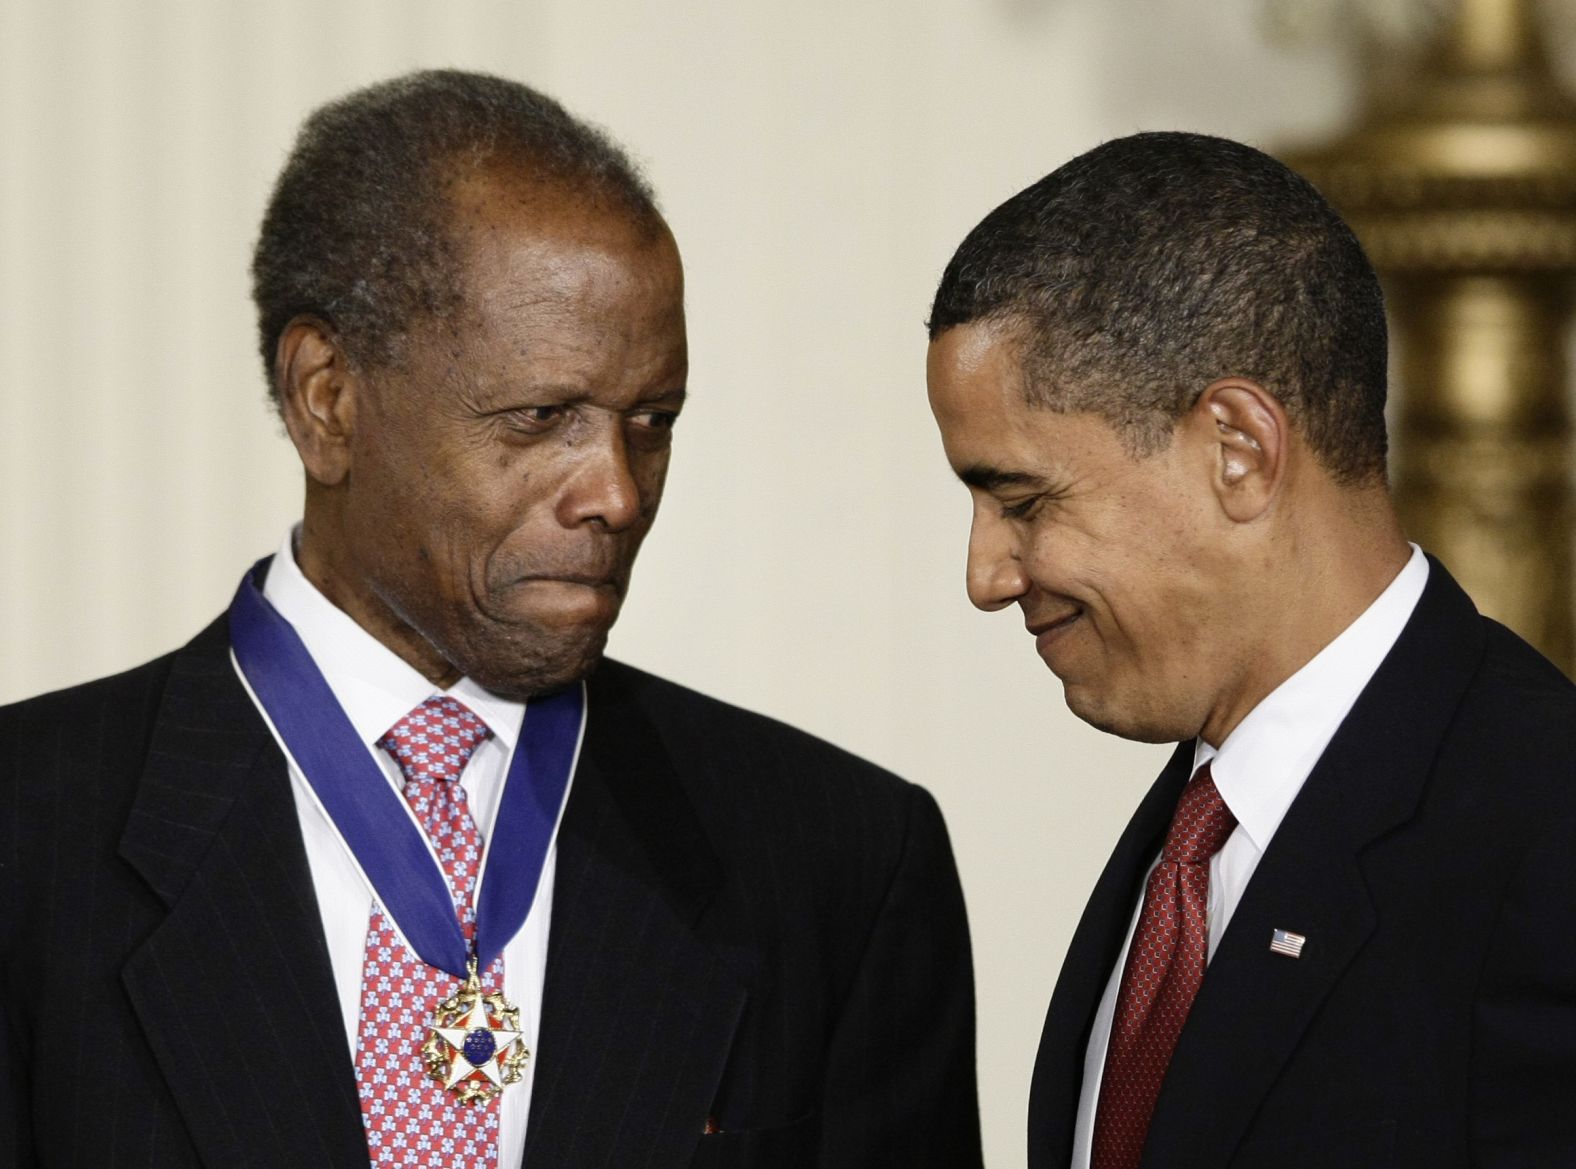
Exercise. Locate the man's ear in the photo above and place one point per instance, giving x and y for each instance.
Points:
(317, 390)
(1250, 438)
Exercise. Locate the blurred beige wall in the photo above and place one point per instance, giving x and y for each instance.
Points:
(818, 162)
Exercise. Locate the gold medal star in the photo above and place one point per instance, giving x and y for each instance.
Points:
(476, 1046)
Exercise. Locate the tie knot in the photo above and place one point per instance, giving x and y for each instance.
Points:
(435, 740)
(1201, 824)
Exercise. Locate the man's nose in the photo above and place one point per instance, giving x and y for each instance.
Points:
(602, 489)
(996, 577)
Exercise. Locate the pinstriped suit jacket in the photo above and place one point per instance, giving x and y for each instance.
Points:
(749, 926)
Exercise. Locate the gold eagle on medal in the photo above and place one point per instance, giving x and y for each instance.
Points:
(474, 1047)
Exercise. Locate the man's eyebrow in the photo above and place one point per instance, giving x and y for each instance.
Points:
(675, 395)
(995, 479)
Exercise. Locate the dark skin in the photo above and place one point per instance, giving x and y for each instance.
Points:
(1170, 592)
(477, 505)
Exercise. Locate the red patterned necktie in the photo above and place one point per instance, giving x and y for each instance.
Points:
(1165, 966)
(410, 1119)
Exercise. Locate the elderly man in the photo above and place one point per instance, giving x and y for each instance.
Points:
(1332, 933)
(388, 860)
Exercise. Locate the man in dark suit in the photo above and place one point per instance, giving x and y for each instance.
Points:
(731, 944)
(1332, 933)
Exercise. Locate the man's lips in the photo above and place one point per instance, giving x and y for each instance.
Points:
(572, 598)
(589, 579)
(586, 578)
(1047, 631)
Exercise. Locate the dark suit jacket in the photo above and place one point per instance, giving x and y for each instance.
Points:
(748, 925)
(1430, 860)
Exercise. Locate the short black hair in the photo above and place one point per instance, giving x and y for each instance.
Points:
(357, 232)
(1152, 265)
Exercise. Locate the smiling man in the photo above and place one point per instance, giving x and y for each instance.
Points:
(1326, 937)
(388, 866)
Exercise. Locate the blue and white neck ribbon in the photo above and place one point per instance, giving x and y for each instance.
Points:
(373, 819)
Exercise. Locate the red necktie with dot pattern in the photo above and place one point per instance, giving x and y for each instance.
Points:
(1165, 966)
(410, 1119)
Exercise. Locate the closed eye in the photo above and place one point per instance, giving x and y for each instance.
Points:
(1022, 509)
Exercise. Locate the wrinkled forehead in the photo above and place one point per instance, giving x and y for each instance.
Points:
(547, 244)
(481, 197)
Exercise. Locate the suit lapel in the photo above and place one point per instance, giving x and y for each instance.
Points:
(1254, 1005)
(639, 1009)
(1058, 1069)
(234, 990)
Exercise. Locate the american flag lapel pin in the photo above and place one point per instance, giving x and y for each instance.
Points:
(1287, 943)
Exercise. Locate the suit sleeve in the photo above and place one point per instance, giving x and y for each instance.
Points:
(1524, 1018)
(900, 1083)
(16, 1145)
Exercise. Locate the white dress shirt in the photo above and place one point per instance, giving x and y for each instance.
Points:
(377, 688)
(1258, 771)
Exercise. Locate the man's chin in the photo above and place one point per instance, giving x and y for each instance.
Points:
(1124, 720)
(539, 668)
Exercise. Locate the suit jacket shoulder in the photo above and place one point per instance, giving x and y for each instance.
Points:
(1516, 708)
(803, 832)
(71, 722)
(70, 762)
(718, 729)
(749, 771)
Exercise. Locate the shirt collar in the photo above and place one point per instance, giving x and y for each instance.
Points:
(1264, 762)
(374, 685)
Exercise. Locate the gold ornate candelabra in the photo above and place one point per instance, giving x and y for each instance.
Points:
(1460, 179)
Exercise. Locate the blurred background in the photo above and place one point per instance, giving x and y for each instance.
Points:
(818, 162)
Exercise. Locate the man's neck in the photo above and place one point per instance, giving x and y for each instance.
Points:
(354, 597)
(1316, 579)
